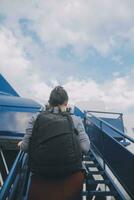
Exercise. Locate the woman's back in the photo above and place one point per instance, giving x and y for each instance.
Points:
(67, 187)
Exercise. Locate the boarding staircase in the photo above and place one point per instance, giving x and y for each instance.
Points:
(109, 163)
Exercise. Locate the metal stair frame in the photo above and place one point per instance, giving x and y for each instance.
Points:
(100, 156)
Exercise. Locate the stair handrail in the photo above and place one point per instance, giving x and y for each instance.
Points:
(112, 127)
(4, 192)
(105, 112)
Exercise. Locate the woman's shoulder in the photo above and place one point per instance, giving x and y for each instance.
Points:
(76, 119)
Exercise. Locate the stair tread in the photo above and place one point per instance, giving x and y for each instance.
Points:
(98, 182)
(99, 193)
(103, 193)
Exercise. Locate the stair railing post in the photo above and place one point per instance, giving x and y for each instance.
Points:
(103, 147)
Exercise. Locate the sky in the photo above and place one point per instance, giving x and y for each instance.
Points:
(87, 46)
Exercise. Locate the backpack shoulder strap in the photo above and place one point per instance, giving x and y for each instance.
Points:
(71, 122)
(35, 125)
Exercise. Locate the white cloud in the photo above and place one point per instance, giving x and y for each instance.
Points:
(83, 90)
(12, 60)
(81, 23)
(117, 59)
(117, 94)
(116, 74)
(18, 70)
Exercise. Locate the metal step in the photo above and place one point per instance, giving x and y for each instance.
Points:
(86, 158)
(100, 193)
(92, 182)
(103, 193)
(92, 165)
(96, 173)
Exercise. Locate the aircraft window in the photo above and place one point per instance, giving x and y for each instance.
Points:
(14, 121)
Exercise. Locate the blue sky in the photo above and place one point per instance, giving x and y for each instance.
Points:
(85, 45)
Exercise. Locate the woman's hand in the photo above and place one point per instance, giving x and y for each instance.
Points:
(19, 144)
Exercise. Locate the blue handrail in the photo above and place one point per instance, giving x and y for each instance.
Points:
(105, 112)
(12, 182)
(112, 127)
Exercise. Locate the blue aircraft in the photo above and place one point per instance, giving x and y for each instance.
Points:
(15, 112)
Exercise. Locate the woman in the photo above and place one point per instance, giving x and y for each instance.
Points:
(65, 188)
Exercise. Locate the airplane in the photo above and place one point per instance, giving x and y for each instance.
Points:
(15, 112)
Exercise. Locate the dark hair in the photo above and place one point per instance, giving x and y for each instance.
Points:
(58, 96)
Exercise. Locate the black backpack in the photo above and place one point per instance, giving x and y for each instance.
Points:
(54, 148)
